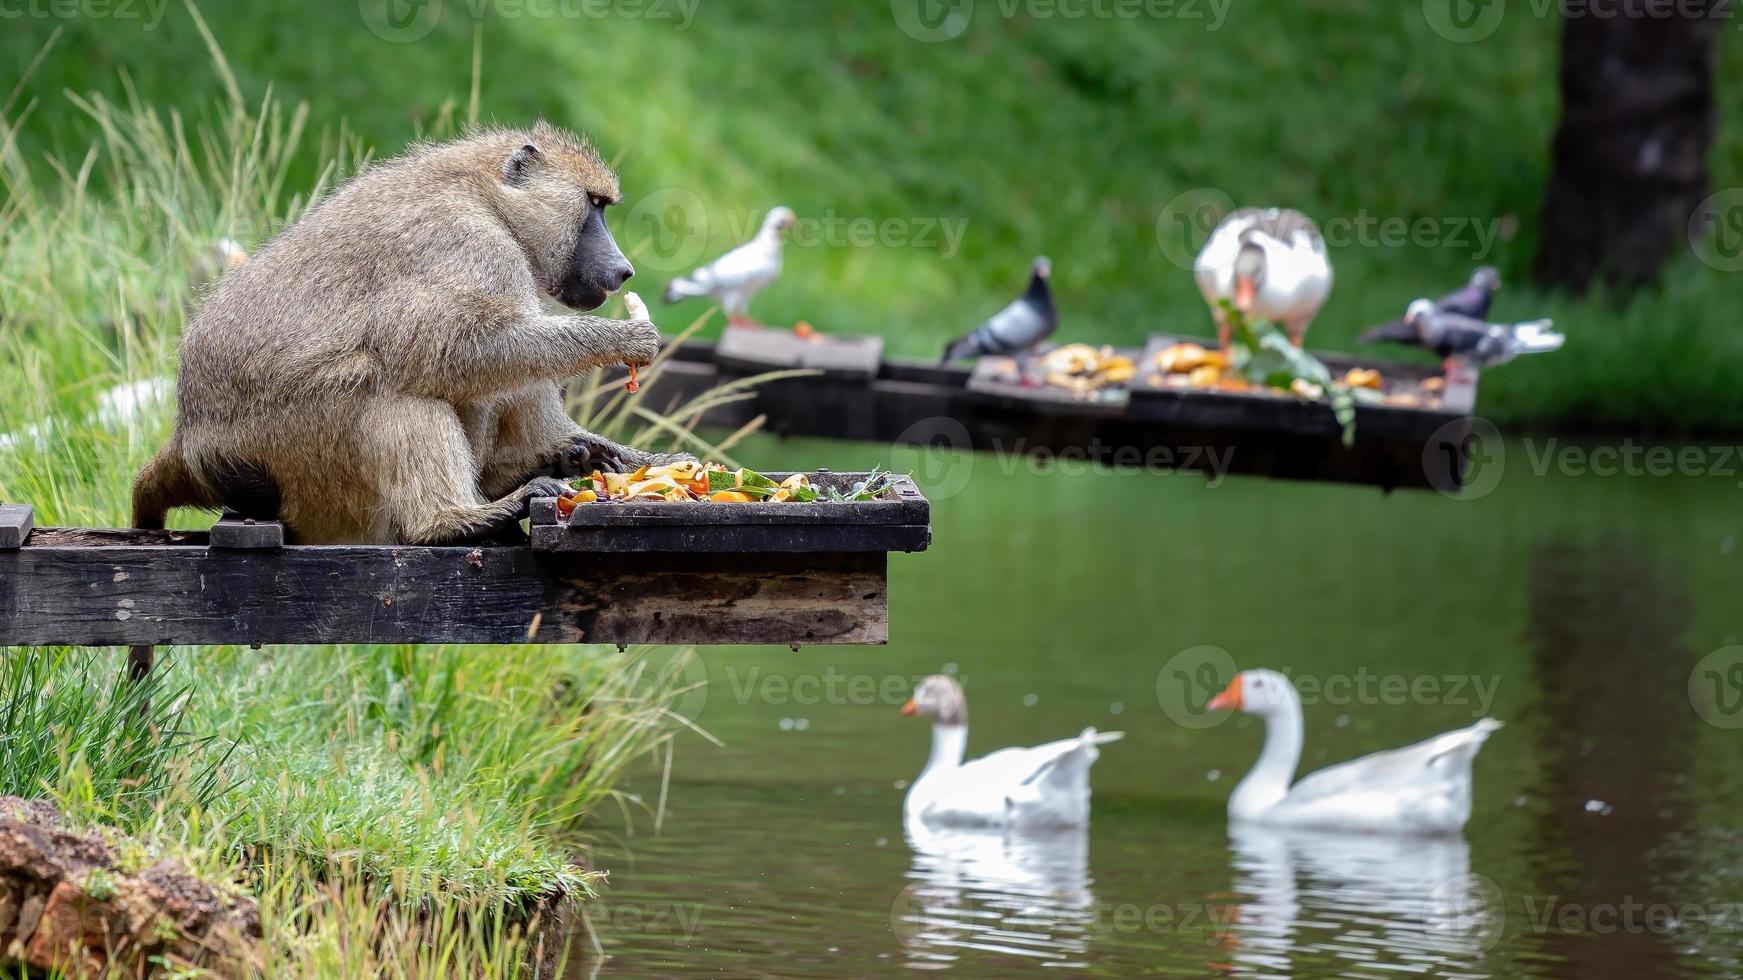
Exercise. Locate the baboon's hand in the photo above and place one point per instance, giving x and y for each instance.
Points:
(587, 452)
(538, 486)
(638, 343)
(544, 486)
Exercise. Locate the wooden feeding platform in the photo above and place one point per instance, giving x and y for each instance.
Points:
(679, 573)
(988, 408)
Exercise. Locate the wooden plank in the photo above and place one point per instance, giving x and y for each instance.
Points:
(16, 521)
(748, 541)
(759, 349)
(244, 534)
(898, 521)
(849, 357)
(922, 402)
(53, 593)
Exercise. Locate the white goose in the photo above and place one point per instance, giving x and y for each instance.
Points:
(734, 278)
(1271, 264)
(1421, 789)
(1044, 786)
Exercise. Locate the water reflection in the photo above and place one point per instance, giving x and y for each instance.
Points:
(1372, 905)
(1004, 892)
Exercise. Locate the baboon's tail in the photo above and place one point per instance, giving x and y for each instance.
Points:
(163, 483)
(166, 482)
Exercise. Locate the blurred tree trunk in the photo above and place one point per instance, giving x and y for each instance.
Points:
(1638, 116)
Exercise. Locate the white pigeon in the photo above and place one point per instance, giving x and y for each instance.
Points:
(1420, 789)
(1271, 265)
(734, 278)
(1021, 788)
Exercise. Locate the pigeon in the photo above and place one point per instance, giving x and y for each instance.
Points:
(1271, 265)
(1473, 301)
(1465, 340)
(1019, 327)
(734, 278)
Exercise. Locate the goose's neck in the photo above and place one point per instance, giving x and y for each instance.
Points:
(1268, 782)
(949, 743)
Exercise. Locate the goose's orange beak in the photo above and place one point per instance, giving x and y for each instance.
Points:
(1245, 292)
(910, 709)
(1229, 699)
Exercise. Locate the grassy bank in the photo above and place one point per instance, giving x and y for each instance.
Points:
(398, 811)
(1027, 134)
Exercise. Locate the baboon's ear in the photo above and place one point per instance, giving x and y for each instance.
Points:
(516, 167)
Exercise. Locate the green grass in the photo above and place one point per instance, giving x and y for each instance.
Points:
(1069, 137)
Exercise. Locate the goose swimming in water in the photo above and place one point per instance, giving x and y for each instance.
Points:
(1420, 789)
(1044, 786)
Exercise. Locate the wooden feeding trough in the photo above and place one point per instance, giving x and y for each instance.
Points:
(624, 573)
(988, 409)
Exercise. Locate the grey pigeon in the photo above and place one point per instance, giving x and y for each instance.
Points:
(1469, 340)
(1019, 327)
(1473, 300)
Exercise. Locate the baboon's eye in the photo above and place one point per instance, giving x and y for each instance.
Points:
(598, 200)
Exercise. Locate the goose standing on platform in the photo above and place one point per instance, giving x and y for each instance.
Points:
(1019, 327)
(1421, 789)
(1044, 786)
(1271, 264)
(736, 277)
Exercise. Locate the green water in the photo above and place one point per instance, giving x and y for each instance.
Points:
(1605, 840)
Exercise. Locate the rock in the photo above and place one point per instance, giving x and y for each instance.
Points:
(65, 905)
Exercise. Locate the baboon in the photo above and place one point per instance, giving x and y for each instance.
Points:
(384, 370)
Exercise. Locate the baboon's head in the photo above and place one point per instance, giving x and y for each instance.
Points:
(557, 189)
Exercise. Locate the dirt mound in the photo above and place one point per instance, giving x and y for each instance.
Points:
(66, 904)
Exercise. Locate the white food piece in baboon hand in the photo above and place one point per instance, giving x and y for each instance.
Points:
(638, 310)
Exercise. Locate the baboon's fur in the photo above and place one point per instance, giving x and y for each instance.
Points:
(384, 370)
